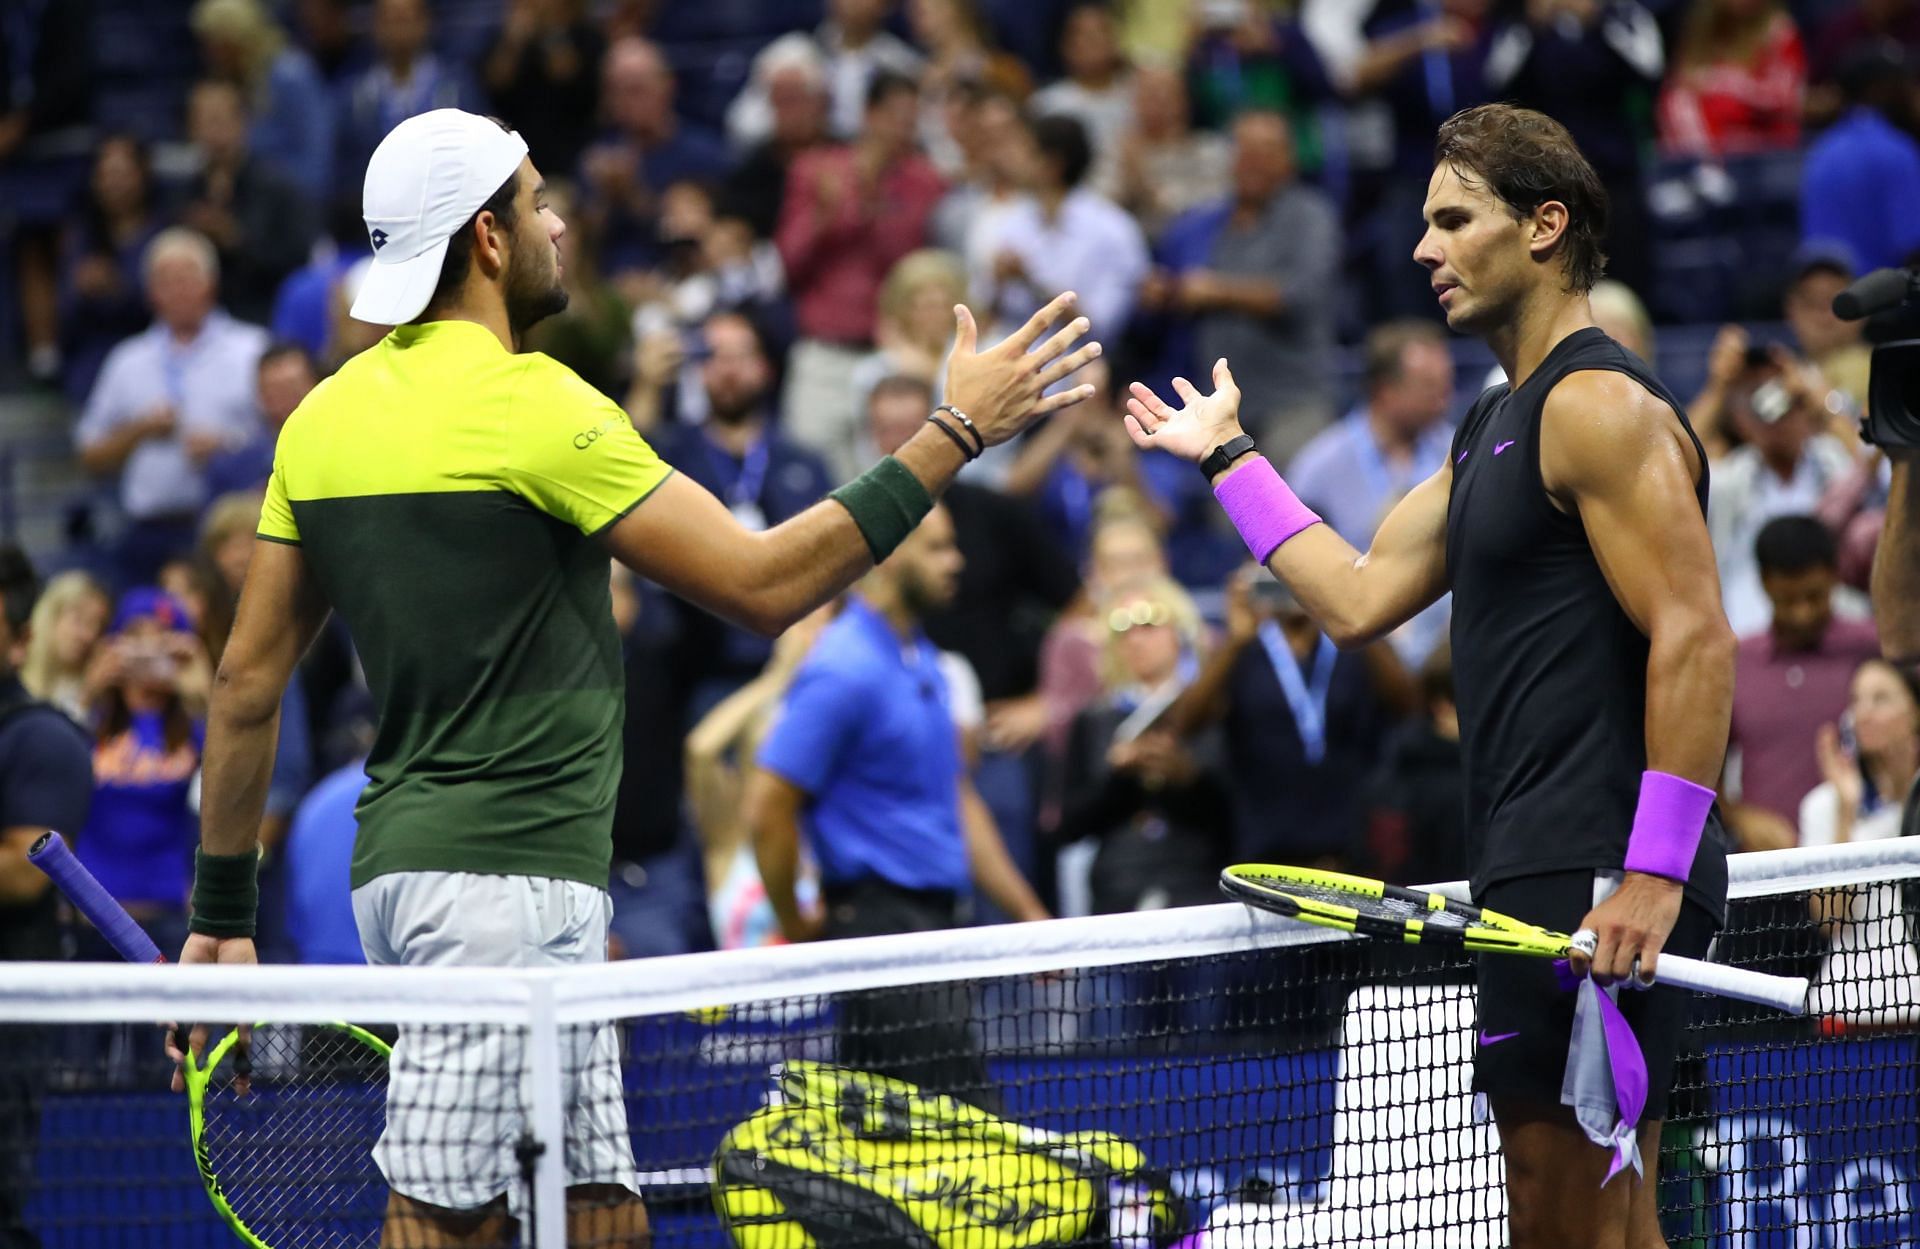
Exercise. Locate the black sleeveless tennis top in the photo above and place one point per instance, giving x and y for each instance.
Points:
(1551, 674)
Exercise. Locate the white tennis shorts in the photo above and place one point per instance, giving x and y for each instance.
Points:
(458, 1094)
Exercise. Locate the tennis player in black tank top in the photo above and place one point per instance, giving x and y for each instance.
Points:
(1593, 661)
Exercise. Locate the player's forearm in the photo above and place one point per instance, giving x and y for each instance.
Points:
(237, 773)
(1337, 586)
(1896, 568)
(805, 562)
(1689, 693)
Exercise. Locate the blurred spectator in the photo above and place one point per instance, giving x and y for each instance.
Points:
(719, 752)
(645, 149)
(1165, 167)
(1409, 65)
(170, 398)
(1871, 964)
(1736, 83)
(292, 112)
(226, 547)
(1253, 280)
(46, 785)
(1250, 55)
(1587, 64)
(852, 212)
(150, 726)
(1860, 175)
(1098, 91)
(318, 866)
(1156, 804)
(1784, 466)
(1620, 315)
(1014, 578)
(865, 754)
(46, 779)
(1074, 456)
(68, 624)
(1789, 679)
(593, 334)
(543, 75)
(1354, 472)
(1061, 236)
(261, 223)
(347, 335)
(101, 300)
(793, 74)
(855, 46)
(915, 328)
(303, 306)
(1836, 348)
(992, 137)
(405, 79)
(1868, 760)
(960, 54)
(286, 374)
(1305, 725)
(326, 31)
(711, 263)
(1416, 818)
(746, 461)
(46, 137)
(1845, 31)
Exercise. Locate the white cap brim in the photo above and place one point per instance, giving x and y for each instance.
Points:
(394, 294)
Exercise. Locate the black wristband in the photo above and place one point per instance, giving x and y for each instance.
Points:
(979, 441)
(1225, 454)
(965, 450)
(226, 894)
(886, 502)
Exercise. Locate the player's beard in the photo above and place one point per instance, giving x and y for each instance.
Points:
(534, 291)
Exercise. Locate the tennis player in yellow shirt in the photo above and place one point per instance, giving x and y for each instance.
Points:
(456, 501)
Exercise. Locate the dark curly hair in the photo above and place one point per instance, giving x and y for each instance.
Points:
(1528, 159)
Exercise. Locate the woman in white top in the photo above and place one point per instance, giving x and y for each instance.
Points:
(1871, 975)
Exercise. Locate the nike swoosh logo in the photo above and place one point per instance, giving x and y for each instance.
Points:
(1462, 459)
(1502, 446)
(1487, 1038)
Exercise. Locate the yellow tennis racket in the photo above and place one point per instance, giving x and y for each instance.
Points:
(1383, 912)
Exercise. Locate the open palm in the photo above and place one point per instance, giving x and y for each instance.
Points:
(1192, 431)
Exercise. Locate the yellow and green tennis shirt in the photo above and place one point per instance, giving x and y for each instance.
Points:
(446, 494)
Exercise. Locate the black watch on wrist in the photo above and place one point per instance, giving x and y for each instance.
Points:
(1225, 454)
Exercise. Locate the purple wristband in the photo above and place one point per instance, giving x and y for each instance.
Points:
(1262, 508)
(1667, 825)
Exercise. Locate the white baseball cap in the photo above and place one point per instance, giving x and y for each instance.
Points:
(429, 175)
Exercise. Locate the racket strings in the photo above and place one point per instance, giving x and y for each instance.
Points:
(294, 1154)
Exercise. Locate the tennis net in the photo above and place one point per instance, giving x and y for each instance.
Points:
(1209, 1078)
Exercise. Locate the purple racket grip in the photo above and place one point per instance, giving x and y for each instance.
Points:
(51, 855)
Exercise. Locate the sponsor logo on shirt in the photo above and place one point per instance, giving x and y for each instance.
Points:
(587, 437)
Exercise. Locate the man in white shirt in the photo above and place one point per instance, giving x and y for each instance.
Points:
(1097, 91)
(169, 399)
(856, 45)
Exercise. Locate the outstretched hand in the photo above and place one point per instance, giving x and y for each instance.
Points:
(1003, 389)
(1192, 431)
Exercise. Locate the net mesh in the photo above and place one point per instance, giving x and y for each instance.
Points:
(1260, 1094)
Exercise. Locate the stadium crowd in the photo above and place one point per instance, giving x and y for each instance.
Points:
(763, 276)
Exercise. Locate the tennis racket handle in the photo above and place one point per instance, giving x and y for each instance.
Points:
(1786, 993)
(51, 855)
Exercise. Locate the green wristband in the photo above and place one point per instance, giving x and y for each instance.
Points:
(226, 894)
(886, 502)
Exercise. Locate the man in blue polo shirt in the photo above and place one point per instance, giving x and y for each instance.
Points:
(866, 754)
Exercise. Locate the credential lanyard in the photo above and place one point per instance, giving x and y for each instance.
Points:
(1306, 696)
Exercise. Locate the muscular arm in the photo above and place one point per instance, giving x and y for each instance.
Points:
(1360, 598)
(1896, 568)
(280, 612)
(1355, 598)
(1616, 455)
